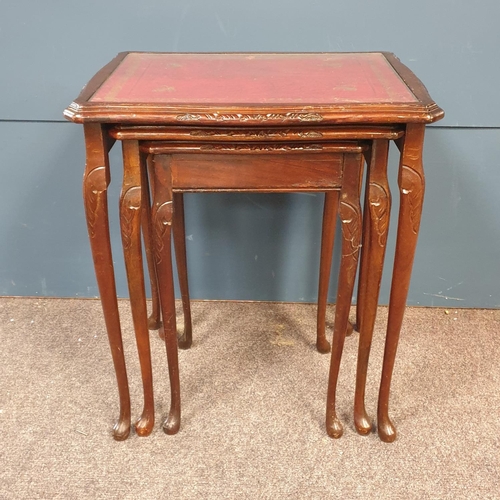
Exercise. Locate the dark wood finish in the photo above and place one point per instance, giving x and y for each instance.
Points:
(316, 134)
(154, 321)
(95, 188)
(375, 229)
(279, 173)
(179, 237)
(181, 259)
(131, 208)
(411, 187)
(242, 148)
(180, 255)
(325, 265)
(370, 98)
(168, 187)
(162, 229)
(351, 223)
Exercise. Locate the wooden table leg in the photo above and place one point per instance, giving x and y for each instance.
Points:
(181, 259)
(375, 230)
(154, 320)
(179, 232)
(411, 185)
(350, 215)
(131, 205)
(330, 211)
(95, 184)
(327, 240)
(364, 260)
(162, 231)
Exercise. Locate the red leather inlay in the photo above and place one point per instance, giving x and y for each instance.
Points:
(254, 79)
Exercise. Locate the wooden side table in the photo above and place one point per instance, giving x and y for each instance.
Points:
(273, 103)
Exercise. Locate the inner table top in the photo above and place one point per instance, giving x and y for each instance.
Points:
(155, 88)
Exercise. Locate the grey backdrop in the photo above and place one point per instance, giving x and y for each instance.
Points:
(262, 247)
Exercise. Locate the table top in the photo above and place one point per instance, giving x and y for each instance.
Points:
(247, 88)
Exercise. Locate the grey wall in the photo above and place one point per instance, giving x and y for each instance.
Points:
(262, 247)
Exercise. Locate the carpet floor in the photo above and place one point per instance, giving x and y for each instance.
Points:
(253, 401)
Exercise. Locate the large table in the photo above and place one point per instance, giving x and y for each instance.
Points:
(262, 122)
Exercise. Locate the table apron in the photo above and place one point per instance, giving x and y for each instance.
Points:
(292, 172)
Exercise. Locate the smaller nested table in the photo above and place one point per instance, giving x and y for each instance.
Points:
(264, 122)
(334, 169)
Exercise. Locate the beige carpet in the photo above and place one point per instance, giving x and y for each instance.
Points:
(253, 395)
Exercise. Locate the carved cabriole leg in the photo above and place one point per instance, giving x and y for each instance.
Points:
(325, 265)
(364, 258)
(350, 215)
(411, 186)
(181, 260)
(154, 321)
(375, 229)
(162, 231)
(131, 205)
(95, 183)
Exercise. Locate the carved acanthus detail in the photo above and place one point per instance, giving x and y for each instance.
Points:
(129, 210)
(95, 183)
(258, 134)
(310, 134)
(261, 147)
(350, 216)
(162, 223)
(379, 211)
(251, 117)
(412, 186)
